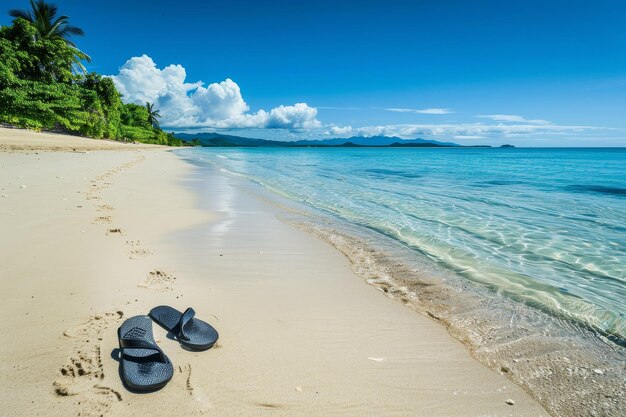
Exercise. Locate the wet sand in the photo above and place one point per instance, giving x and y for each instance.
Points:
(92, 238)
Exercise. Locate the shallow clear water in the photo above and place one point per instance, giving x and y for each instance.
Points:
(543, 226)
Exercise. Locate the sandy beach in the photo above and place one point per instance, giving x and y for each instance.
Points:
(91, 238)
(22, 140)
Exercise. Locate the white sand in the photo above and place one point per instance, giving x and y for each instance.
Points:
(300, 334)
(27, 140)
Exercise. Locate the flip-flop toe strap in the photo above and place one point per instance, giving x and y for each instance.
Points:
(184, 319)
(126, 343)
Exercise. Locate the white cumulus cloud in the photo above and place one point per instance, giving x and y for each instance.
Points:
(298, 116)
(219, 100)
(341, 130)
(192, 105)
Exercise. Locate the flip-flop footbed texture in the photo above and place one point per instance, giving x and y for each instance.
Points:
(144, 366)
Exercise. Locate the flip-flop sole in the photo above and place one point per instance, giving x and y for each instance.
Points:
(201, 335)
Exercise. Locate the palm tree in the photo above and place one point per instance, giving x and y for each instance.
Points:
(153, 115)
(43, 16)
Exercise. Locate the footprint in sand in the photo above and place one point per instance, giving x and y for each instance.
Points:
(81, 377)
(158, 280)
(186, 371)
(270, 406)
(105, 207)
(115, 231)
(102, 220)
(138, 253)
(184, 382)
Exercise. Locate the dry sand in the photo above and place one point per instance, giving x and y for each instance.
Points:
(12, 140)
(89, 239)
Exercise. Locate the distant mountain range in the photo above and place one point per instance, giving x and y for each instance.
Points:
(218, 139)
(373, 141)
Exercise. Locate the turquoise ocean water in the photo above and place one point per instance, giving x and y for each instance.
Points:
(546, 227)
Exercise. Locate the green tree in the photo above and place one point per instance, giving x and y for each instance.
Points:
(43, 16)
(135, 115)
(39, 90)
(153, 115)
(36, 83)
(135, 125)
(47, 60)
(109, 101)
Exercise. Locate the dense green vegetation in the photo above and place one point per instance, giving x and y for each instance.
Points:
(44, 85)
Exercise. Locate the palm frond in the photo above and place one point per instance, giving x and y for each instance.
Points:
(39, 10)
(44, 17)
(22, 14)
(80, 54)
(33, 8)
(153, 115)
(54, 26)
(85, 57)
(52, 10)
(73, 30)
(78, 66)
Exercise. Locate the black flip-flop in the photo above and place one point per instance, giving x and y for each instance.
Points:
(189, 331)
(144, 366)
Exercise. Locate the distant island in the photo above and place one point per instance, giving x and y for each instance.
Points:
(213, 139)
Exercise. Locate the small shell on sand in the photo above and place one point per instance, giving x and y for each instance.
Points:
(298, 389)
(376, 359)
(510, 402)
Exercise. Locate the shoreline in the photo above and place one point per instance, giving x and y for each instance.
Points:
(569, 368)
(243, 212)
(92, 239)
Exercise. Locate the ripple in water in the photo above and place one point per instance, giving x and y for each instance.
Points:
(516, 221)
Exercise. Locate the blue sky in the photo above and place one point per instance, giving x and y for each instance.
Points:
(534, 73)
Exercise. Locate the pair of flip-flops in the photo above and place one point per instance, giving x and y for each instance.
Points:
(144, 366)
